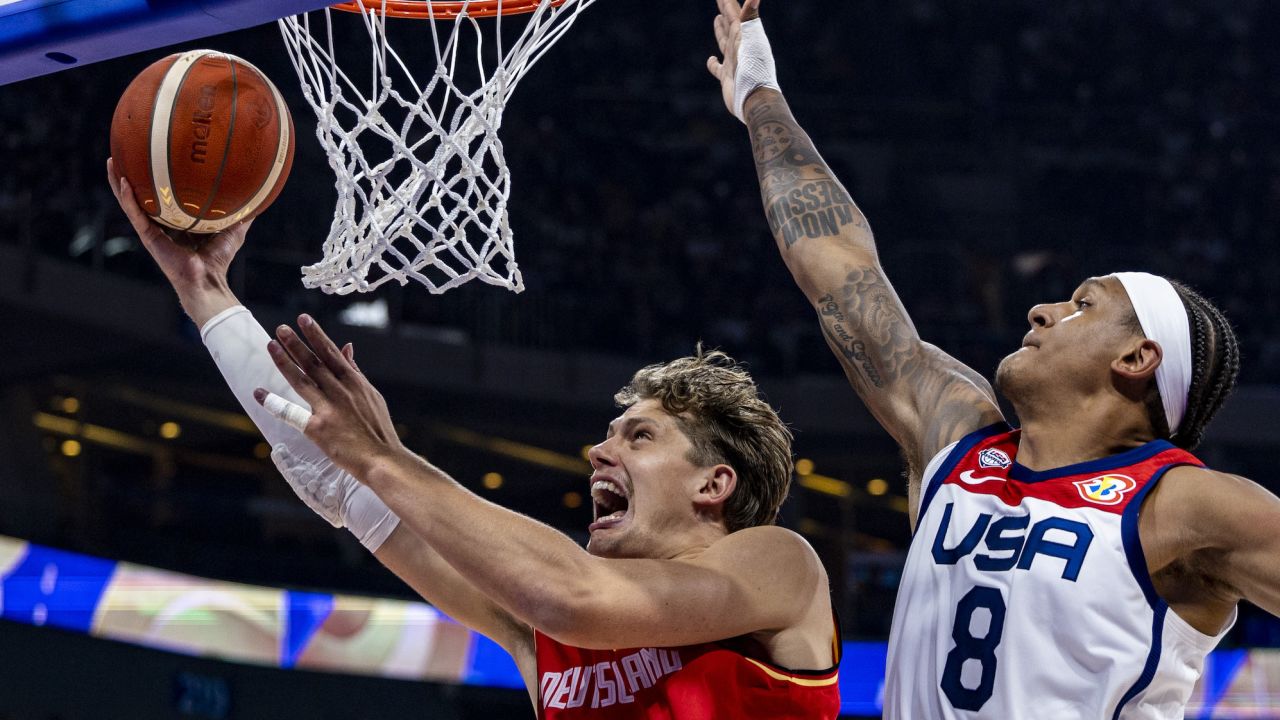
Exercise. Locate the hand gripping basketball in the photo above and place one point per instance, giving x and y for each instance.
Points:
(191, 164)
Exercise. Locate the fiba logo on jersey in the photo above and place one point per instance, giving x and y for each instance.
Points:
(992, 457)
(1106, 489)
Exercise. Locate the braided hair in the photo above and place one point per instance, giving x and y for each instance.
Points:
(1215, 364)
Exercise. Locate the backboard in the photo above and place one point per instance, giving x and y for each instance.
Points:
(38, 37)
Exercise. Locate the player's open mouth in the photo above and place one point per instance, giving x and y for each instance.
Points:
(609, 503)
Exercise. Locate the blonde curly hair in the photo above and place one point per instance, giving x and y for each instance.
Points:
(717, 406)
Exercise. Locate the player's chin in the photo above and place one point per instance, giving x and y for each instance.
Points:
(1011, 365)
(605, 547)
(606, 537)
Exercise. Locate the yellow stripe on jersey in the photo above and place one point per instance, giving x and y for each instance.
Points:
(806, 682)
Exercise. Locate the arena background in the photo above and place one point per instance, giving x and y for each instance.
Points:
(1003, 151)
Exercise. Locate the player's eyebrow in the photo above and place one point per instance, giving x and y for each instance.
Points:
(1093, 284)
(627, 424)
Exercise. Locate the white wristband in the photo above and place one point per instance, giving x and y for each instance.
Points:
(369, 519)
(755, 65)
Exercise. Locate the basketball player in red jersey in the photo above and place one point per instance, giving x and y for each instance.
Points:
(688, 602)
(1064, 531)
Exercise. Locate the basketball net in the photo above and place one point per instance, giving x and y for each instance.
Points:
(421, 178)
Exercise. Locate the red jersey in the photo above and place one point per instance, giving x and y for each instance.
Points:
(712, 681)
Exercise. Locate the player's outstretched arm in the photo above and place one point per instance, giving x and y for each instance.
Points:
(197, 270)
(768, 576)
(922, 396)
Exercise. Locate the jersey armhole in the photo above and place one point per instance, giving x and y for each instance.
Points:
(948, 457)
(1132, 539)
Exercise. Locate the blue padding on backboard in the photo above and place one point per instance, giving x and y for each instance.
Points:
(44, 36)
(52, 587)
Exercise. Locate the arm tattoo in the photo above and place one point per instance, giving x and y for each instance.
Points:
(925, 398)
(880, 341)
(871, 333)
(802, 200)
(850, 348)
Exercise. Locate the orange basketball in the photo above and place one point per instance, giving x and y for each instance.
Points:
(204, 139)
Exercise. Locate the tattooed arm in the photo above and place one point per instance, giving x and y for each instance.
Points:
(922, 396)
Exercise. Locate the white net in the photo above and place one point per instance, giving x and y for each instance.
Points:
(421, 178)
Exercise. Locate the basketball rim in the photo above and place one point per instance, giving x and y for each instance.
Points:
(444, 9)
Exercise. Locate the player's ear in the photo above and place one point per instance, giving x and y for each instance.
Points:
(1139, 361)
(718, 483)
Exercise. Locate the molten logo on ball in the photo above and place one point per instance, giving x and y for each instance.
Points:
(200, 123)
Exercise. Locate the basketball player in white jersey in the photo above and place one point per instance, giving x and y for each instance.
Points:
(1080, 567)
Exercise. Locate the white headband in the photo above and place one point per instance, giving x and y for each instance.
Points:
(1163, 318)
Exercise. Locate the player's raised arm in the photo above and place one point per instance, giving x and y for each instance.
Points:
(197, 270)
(922, 396)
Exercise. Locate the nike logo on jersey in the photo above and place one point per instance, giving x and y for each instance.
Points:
(968, 477)
(1009, 543)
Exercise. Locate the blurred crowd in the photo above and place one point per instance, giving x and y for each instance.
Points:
(1003, 152)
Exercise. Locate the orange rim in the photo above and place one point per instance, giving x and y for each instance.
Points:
(446, 9)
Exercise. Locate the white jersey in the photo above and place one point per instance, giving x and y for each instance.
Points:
(1026, 594)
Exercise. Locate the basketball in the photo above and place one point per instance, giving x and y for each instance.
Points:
(204, 139)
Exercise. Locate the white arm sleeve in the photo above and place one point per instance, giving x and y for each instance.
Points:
(238, 345)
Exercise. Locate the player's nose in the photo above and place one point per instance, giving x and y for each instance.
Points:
(599, 456)
(1041, 316)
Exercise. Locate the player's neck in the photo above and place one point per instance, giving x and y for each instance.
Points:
(693, 543)
(690, 541)
(667, 543)
(1068, 435)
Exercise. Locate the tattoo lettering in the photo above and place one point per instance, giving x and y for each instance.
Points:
(883, 322)
(870, 330)
(812, 210)
(852, 349)
(801, 198)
